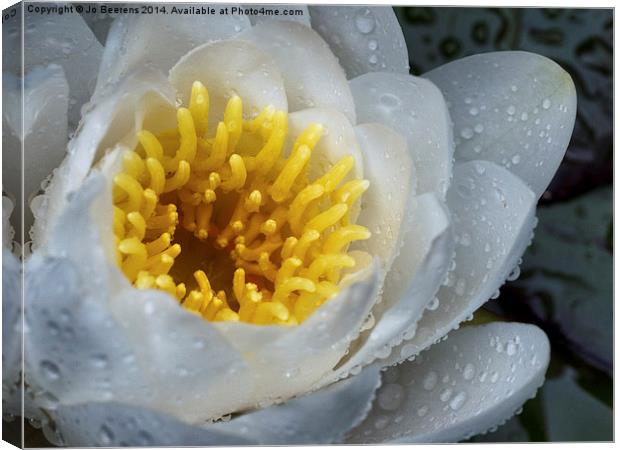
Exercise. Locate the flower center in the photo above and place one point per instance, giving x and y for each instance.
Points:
(228, 224)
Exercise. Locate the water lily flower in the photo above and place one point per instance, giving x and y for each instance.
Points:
(255, 216)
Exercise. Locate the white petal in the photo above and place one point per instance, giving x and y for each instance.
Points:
(12, 32)
(190, 362)
(45, 103)
(515, 109)
(68, 41)
(477, 379)
(187, 361)
(122, 425)
(8, 232)
(415, 108)
(411, 283)
(364, 38)
(312, 76)
(95, 338)
(76, 351)
(12, 115)
(390, 171)
(113, 119)
(493, 217)
(227, 68)
(322, 417)
(158, 41)
(45, 124)
(338, 139)
(11, 333)
(283, 362)
(284, 12)
(46, 97)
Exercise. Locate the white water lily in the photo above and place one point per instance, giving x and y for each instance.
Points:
(455, 162)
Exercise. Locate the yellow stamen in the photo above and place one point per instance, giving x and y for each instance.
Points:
(199, 107)
(247, 212)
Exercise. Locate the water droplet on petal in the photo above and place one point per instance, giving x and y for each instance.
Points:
(106, 436)
(469, 371)
(365, 21)
(391, 396)
(430, 381)
(433, 305)
(389, 100)
(458, 401)
(445, 394)
(50, 370)
(467, 133)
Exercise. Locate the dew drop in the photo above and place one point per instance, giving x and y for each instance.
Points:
(430, 381)
(469, 371)
(433, 305)
(465, 240)
(511, 348)
(422, 411)
(445, 394)
(50, 370)
(381, 422)
(514, 274)
(99, 360)
(467, 133)
(458, 401)
(546, 104)
(293, 373)
(391, 396)
(106, 436)
(365, 21)
(389, 100)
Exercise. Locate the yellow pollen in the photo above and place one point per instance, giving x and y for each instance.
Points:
(229, 223)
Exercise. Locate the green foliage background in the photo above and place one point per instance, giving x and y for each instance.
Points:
(566, 282)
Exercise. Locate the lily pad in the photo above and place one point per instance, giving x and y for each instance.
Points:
(567, 274)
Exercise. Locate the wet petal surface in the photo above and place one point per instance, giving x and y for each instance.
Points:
(228, 68)
(515, 109)
(322, 417)
(158, 41)
(475, 380)
(364, 38)
(312, 76)
(414, 108)
(493, 218)
(46, 41)
(411, 284)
